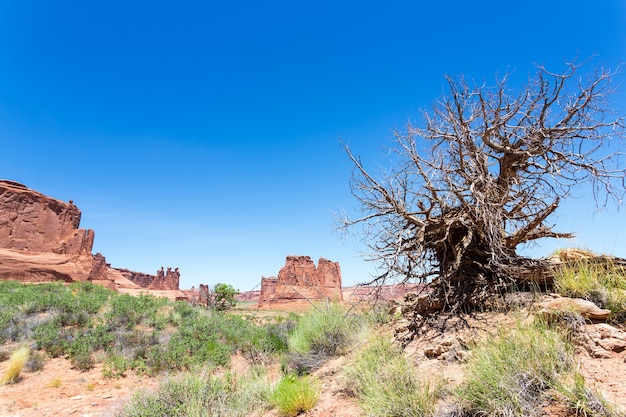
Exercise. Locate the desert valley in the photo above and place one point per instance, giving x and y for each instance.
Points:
(119, 342)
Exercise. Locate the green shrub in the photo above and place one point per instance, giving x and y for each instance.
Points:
(53, 338)
(178, 396)
(128, 311)
(379, 313)
(78, 319)
(115, 366)
(81, 353)
(100, 337)
(294, 395)
(132, 339)
(387, 384)
(224, 297)
(90, 297)
(211, 338)
(156, 360)
(12, 326)
(255, 342)
(278, 334)
(200, 340)
(509, 374)
(6, 316)
(16, 364)
(35, 362)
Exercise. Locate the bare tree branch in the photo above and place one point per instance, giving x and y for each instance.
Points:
(482, 175)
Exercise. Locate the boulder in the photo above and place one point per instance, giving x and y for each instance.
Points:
(585, 308)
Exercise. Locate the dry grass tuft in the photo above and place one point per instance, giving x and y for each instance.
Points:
(16, 364)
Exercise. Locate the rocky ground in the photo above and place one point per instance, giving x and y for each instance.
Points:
(600, 354)
(59, 390)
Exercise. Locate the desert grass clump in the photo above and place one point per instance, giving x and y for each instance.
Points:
(295, 394)
(55, 383)
(604, 283)
(320, 334)
(202, 394)
(16, 364)
(183, 395)
(510, 373)
(387, 385)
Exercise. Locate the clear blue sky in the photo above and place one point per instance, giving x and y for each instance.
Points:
(205, 135)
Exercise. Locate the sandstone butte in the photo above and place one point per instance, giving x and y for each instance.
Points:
(301, 280)
(41, 241)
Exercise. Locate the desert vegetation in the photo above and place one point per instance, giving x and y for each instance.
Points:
(599, 279)
(90, 324)
(513, 370)
(387, 384)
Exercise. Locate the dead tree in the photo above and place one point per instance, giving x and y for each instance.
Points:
(481, 177)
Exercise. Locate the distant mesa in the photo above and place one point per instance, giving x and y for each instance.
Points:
(301, 280)
(40, 241)
(162, 281)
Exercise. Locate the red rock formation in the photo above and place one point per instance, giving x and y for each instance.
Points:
(32, 221)
(141, 279)
(161, 281)
(165, 281)
(268, 290)
(301, 280)
(100, 272)
(40, 239)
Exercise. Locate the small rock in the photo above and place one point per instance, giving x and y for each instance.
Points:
(583, 307)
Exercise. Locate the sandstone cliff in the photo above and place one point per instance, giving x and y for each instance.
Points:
(40, 239)
(162, 281)
(34, 222)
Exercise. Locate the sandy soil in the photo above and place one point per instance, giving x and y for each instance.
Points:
(59, 390)
(88, 394)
